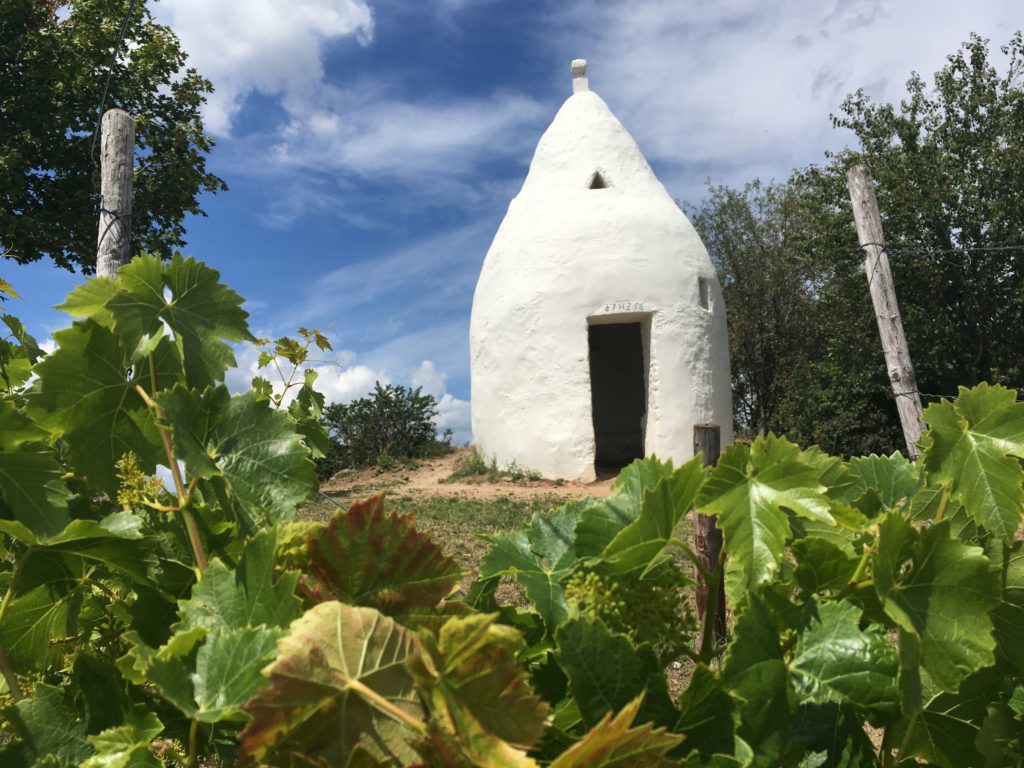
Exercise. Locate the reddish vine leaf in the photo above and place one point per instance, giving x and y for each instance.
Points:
(366, 557)
(339, 680)
(613, 744)
(483, 709)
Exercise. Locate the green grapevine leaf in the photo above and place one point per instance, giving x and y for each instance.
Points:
(606, 671)
(1008, 617)
(755, 673)
(945, 732)
(249, 596)
(227, 630)
(706, 715)
(90, 299)
(365, 557)
(200, 311)
(639, 545)
(254, 448)
(168, 668)
(831, 735)
(477, 692)
(940, 589)
(612, 743)
(821, 565)
(835, 661)
(927, 503)
(126, 746)
(540, 558)
(332, 670)
(228, 671)
(608, 516)
(84, 396)
(47, 727)
(750, 490)
(31, 489)
(31, 620)
(975, 444)
(306, 409)
(891, 478)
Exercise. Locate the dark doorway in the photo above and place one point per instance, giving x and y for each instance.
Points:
(618, 383)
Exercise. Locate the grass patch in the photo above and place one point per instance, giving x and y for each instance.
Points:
(479, 515)
(476, 467)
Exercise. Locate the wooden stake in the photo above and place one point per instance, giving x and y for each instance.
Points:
(707, 537)
(887, 310)
(117, 163)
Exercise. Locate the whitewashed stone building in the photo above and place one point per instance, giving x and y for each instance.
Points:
(598, 328)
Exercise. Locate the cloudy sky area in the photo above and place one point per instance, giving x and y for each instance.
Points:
(372, 146)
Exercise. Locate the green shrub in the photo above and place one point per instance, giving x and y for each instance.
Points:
(391, 426)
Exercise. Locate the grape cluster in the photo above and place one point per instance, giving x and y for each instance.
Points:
(135, 487)
(653, 610)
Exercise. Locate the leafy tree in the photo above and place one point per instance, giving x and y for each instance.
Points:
(395, 422)
(54, 59)
(947, 161)
(768, 287)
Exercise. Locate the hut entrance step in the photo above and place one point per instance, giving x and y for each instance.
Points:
(618, 392)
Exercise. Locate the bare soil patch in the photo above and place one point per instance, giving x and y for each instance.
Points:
(431, 479)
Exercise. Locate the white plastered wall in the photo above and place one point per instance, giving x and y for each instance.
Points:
(567, 255)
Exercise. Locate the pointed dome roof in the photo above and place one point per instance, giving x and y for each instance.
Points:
(586, 143)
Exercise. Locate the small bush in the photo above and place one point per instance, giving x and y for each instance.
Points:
(389, 428)
(478, 466)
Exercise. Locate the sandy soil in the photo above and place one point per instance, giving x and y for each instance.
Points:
(431, 479)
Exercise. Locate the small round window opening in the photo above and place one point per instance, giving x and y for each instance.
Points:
(598, 181)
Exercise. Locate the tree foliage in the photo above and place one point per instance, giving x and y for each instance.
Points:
(947, 159)
(54, 59)
(206, 624)
(393, 423)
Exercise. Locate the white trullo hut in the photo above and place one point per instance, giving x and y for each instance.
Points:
(598, 329)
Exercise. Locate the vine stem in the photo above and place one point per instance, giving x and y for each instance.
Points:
(184, 496)
(193, 730)
(386, 706)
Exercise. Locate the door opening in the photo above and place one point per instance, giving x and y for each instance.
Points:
(618, 392)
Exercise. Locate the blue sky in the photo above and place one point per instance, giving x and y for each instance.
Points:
(372, 146)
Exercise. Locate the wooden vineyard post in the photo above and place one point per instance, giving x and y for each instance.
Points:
(707, 545)
(887, 310)
(117, 163)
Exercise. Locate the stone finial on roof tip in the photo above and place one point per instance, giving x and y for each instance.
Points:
(579, 76)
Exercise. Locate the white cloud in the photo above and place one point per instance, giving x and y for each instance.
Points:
(263, 46)
(742, 88)
(454, 414)
(429, 379)
(368, 132)
(345, 384)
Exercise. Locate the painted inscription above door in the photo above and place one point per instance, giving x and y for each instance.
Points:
(621, 306)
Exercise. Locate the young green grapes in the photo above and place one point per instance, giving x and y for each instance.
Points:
(653, 610)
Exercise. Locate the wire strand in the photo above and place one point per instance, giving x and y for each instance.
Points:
(110, 72)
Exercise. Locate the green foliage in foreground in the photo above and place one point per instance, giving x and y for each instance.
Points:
(209, 625)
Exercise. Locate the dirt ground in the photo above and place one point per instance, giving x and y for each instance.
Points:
(431, 479)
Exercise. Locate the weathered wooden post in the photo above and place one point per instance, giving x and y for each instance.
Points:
(887, 310)
(707, 542)
(117, 163)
